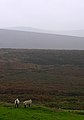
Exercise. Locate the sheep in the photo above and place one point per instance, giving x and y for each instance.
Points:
(27, 102)
(17, 102)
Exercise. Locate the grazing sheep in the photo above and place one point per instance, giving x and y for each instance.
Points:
(17, 103)
(27, 102)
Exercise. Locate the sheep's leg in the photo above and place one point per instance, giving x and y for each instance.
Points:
(24, 106)
(17, 105)
(29, 105)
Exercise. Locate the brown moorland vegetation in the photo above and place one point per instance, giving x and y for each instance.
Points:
(51, 77)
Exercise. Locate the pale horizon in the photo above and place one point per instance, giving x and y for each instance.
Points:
(42, 14)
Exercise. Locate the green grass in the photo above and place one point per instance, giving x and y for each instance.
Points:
(36, 113)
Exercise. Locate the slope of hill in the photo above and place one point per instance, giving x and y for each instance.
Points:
(77, 33)
(28, 29)
(53, 77)
(33, 40)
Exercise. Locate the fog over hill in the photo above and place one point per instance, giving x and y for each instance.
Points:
(78, 33)
(35, 40)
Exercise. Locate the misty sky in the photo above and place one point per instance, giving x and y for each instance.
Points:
(43, 14)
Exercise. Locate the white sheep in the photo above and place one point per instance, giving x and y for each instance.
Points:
(27, 102)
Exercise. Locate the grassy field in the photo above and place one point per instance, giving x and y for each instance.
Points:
(37, 113)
